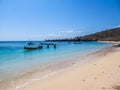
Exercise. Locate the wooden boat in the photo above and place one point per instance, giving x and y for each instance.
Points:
(32, 48)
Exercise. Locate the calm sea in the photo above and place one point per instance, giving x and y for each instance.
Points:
(14, 60)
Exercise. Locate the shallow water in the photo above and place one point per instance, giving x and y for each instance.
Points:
(14, 60)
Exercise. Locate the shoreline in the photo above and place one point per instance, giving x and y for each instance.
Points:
(74, 64)
(112, 42)
(70, 76)
(47, 70)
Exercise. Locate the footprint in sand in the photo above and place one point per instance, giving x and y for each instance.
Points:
(83, 80)
(103, 88)
(95, 78)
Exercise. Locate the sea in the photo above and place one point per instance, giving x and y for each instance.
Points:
(15, 60)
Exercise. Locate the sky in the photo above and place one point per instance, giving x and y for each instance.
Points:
(53, 19)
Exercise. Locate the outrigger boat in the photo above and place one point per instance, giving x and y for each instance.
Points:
(31, 47)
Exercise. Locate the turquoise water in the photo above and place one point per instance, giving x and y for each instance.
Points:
(14, 60)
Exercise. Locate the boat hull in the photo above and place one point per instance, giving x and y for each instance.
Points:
(32, 48)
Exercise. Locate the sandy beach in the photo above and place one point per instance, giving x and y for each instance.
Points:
(100, 73)
(59, 44)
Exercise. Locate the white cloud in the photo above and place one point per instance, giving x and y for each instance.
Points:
(53, 35)
(72, 32)
(64, 34)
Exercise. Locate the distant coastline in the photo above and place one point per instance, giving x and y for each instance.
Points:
(107, 35)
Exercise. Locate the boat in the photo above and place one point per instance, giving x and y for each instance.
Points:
(48, 44)
(32, 48)
(30, 43)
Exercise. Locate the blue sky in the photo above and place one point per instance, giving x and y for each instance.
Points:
(49, 19)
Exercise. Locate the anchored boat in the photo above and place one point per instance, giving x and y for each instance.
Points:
(30, 46)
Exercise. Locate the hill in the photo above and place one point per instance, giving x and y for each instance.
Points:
(107, 35)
